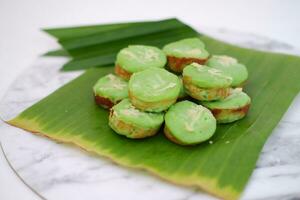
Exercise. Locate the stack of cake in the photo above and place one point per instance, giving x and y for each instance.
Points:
(181, 85)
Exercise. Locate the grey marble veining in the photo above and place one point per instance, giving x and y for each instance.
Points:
(60, 171)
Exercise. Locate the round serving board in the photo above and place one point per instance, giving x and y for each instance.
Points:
(58, 171)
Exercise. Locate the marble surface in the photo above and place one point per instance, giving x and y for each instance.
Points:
(59, 171)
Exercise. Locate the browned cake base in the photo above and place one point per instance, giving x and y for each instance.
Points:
(150, 106)
(170, 136)
(177, 64)
(204, 94)
(104, 102)
(226, 115)
(128, 129)
(122, 72)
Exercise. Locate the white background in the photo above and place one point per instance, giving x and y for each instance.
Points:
(21, 40)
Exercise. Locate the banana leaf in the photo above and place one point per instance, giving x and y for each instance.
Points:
(221, 167)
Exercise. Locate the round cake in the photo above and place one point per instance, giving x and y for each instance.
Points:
(109, 90)
(187, 123)
(184, 52)
(230, 66)
(154, 89)
(136, 58)
(230, 109)
(126, 120)
(206, 83)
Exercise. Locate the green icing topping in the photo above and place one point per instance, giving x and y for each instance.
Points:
(127, 113)
(190, 123)
(111, 87)
(236, 99)
(137, 58)
(186, 48)
(154, 85)
(206, 77)
(230, 67)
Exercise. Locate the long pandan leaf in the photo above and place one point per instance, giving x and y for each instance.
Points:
(58, 53)
(222, 168)
(95, 46)
(66, 33)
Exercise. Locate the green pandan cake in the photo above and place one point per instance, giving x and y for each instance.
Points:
(136, 58)
(230, 109)
(109, 90)
(154, 89)
(230, 67)
(206, 83)
(184, 52)
(187, 123)
(126, 120)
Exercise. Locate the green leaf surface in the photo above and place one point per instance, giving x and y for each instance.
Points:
(85, 63)
(222, 168)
